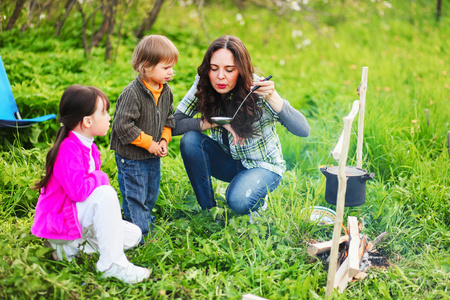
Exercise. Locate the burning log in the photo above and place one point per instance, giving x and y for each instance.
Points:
(317, 248)
(353, 249)
(361, 276)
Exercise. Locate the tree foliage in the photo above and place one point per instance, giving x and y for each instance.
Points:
(98, 19)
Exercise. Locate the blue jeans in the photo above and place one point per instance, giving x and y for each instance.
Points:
(204, 158)
(139, 184)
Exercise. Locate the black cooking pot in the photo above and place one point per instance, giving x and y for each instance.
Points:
(355, 194)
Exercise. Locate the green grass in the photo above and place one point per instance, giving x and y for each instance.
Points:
(218, 255)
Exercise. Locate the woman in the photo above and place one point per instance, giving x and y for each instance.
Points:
(246, 152)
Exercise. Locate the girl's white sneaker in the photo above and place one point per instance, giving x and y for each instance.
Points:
(131, 274)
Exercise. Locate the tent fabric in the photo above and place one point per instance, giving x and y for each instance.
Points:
(9, 112)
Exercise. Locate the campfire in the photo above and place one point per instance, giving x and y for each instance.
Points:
(356, 254)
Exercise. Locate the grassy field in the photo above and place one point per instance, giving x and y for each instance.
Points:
(316, 60)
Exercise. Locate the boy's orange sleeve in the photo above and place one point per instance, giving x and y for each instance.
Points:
(143, 140)
(167, 134)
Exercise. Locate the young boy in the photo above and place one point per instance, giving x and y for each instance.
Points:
(142, 128)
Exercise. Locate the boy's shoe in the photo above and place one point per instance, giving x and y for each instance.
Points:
(257, 213)
(131, 274)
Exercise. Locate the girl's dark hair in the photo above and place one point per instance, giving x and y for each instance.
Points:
(77, 102)
(210, 102)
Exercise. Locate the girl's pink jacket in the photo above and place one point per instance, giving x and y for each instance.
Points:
(56, 214)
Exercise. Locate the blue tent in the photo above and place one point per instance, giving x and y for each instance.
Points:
(9, 113)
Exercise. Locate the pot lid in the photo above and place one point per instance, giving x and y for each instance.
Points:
(349, 171)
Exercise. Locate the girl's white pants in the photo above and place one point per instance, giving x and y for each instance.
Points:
(103, 230)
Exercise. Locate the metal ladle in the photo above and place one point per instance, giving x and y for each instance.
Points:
(225, 120)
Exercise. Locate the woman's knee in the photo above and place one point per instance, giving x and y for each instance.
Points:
(244, 201)
(190, 140)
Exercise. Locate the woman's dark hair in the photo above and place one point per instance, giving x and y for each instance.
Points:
(77, 102)
(210, 102)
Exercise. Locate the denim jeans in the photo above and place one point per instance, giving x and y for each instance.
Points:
(204, 158)
(139, 182)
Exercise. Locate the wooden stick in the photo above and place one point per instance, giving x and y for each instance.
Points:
(353, 249)
(337, 150)
(427, 115)
(317, 248)
(340, 202)
(362, 109)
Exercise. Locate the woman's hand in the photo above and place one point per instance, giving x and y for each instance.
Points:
(268, 92)
(205, 125)
(236, 138)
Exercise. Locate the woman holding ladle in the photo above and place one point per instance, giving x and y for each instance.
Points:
(245, 152)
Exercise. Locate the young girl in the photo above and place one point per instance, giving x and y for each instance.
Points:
(142, 128)
(77, 209)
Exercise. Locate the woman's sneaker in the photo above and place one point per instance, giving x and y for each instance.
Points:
(131, 274)
(257, 213)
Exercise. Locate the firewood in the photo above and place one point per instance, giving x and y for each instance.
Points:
(317, 248)
(344, 282)
(377, 240)
(361, 275)
(341, 273)
(353, 249)
(342, 277)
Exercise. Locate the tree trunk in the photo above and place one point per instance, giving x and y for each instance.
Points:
(119, 31)
(16, 14)
(438, 9)
(112, 9)
(69, 5)
(148, 23)
(30, 17)
(87, 45)
(100, 33)
(47, 5)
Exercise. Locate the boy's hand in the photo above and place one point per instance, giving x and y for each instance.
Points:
(163, 147)
(154, 148)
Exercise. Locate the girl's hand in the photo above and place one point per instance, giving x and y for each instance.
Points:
(163, 147)
(236, 138)
(268, 92)
(155, 148)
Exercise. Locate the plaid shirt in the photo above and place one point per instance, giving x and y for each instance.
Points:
(261, 151)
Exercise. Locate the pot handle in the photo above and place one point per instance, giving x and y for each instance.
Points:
(368, 176)
(324, 171)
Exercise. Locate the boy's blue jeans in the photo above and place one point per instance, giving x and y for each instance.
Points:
(203, 157)
(139, 184)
